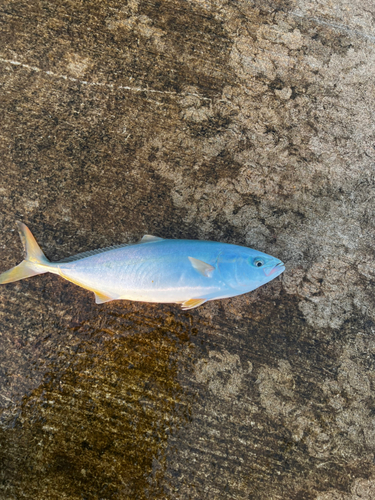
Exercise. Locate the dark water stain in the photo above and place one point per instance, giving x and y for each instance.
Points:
(98, 425)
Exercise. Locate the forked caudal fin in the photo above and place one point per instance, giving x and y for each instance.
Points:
(35, 262)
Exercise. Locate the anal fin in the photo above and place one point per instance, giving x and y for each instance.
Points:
(191, 303)
(100, 297)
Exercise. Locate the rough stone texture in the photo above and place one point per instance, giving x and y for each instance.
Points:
(249, 122)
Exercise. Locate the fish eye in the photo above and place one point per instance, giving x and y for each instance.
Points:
(258, 262)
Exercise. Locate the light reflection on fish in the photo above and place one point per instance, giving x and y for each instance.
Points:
(186, 272)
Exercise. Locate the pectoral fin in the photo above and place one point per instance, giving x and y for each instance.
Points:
(202, 267)
(191, 303)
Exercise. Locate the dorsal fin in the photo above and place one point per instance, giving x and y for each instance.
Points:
(83, 255)
(147, 238)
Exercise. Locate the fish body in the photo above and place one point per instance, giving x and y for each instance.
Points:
(189, 272)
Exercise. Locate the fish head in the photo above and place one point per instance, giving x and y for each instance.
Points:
(263, 268)
(248, 269)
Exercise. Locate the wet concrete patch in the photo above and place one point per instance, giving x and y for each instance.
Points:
(98, 424)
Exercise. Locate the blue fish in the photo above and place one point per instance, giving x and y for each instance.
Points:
(186, 272)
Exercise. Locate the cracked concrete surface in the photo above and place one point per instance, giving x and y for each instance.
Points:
(249, 122)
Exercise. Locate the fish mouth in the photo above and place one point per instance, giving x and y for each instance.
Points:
(279, 268)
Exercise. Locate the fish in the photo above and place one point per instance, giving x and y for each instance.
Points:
(185, 272)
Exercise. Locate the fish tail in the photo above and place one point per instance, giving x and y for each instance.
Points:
(35, 262)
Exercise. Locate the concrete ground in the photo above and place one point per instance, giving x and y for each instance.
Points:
(243, 121)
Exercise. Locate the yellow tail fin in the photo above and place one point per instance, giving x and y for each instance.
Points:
(35, 262)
